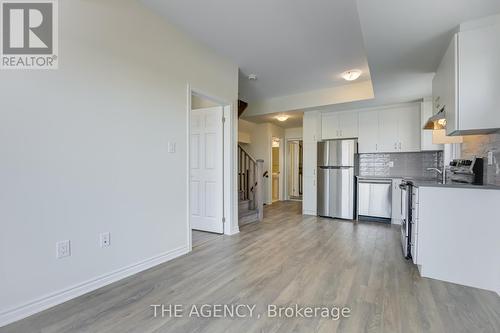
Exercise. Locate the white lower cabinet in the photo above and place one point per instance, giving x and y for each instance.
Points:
(309, 202)
(396, 201)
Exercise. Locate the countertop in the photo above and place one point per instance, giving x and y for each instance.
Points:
(426, 182)
(421, 183)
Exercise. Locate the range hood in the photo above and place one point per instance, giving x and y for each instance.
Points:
(437, 121)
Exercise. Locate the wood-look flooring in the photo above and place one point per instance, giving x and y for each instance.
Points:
(286, 259)
(200, 237)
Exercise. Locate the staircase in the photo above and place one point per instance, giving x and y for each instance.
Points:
(251, 206)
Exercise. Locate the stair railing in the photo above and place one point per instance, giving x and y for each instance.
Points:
(250, 185)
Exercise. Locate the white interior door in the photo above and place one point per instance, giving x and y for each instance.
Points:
(206, 170)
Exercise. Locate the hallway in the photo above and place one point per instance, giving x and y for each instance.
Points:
(286, 259)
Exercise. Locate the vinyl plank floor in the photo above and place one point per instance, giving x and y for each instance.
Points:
(286, 259)
(200, 237)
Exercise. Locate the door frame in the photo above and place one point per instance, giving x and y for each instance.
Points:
(286, 194)
(229, 153)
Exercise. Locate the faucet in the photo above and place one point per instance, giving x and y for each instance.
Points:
(441, 172)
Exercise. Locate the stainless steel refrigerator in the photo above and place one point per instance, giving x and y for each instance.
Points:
(337, 168)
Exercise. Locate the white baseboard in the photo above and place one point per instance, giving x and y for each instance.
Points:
(64, 295)
(309, 212)
(233, 231)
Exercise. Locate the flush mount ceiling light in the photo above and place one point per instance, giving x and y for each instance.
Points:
(282, 117)
(252, 77)
(352, 75)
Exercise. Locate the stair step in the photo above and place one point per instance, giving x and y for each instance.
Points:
(243, 205)
(249, 216)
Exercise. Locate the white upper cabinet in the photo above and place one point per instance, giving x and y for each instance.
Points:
(368, 131)
(388, 130)
(409, 129)
(339, 125)
(349, 124)
(330, 126)
(467, 81)
(388, 121)
(311, 127)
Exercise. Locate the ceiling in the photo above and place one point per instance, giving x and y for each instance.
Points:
(295, 46)
(294, 120)
(291, 45)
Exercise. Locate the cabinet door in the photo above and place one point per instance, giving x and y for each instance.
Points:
(479, 78)
(447, 88)
(309, 203)
(310, 152)
(330, 126)
(409, 128)
(311, 127)
(348, 124)
(368, 131)
(388, 130)
(396, 201)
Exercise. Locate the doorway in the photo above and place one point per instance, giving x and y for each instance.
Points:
(275, 159)
(294, 175)
(206, 169)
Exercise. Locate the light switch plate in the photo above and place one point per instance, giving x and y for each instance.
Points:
(391, 164)
(171, 147)
(63, 249)
(490, 158)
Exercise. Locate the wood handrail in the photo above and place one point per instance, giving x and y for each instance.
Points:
(251, 157)
(251, 175)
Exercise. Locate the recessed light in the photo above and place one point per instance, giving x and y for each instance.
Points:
(352, 74)
(282, 117)
(252, 77)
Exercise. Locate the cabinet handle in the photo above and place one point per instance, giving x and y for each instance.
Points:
(395, 145)
(400, 146)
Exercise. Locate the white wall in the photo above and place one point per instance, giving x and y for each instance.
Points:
(260, 148)
(198, 102)
(293, 133)
(244, 129)
(84, 150)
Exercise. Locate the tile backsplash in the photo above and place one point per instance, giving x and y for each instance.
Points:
(479, 146)
(400, 164)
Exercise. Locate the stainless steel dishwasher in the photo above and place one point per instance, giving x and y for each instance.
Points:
(374, 198)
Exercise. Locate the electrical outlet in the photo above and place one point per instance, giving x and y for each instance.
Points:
(105, 239)
(391, 164)
(63, 249)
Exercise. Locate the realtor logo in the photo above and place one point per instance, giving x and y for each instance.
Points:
(29, 36)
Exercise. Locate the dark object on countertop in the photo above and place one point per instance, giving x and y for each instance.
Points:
(467, 171)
